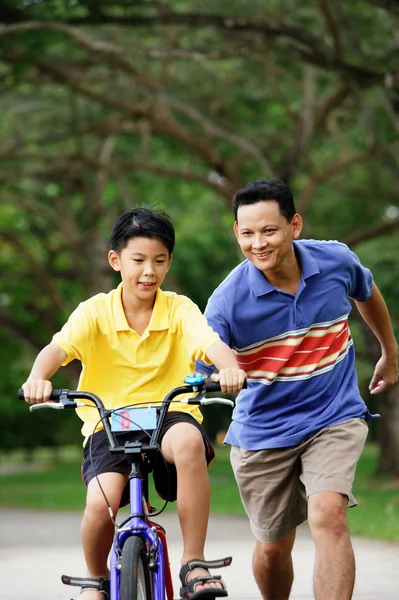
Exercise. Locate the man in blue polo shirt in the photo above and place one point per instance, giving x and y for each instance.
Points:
(299, 429)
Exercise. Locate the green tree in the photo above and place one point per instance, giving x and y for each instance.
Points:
(111, 104)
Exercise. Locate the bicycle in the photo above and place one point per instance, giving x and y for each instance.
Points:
(139, 562)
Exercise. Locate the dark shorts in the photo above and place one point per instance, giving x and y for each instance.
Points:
(97, 458)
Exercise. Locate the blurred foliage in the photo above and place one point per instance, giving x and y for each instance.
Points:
(111, 104)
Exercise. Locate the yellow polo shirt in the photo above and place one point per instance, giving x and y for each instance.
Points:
(122, 367)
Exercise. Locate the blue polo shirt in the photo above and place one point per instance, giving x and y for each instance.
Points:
(297, 350)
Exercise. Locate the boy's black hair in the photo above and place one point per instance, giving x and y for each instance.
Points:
(266, 189)
(143, 222)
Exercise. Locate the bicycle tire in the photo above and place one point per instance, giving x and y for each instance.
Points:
(134, 575)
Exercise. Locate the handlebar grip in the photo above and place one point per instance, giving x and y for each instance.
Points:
(214, 386)
(55, 394)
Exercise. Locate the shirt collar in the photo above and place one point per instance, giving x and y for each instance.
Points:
(259, 283)
(159, 318)
(261, 286)
(160, 313)
(120, 320)
(309, 264)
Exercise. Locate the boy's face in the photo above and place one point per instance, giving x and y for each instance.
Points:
(265, 236)
(143, 264)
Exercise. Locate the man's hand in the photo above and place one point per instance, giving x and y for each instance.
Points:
(231, 380)
(385, 375)
(37, 391)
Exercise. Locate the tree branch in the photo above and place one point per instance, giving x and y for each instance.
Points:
(319, 178)
(159, 117)
(69, 164)
(19, 332)
(298, 42)
(42, 276)
(332, 28)
(369, 233)
(388, 5)
(304, 128)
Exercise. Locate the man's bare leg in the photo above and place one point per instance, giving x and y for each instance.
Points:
(334, 575)
(273, 569)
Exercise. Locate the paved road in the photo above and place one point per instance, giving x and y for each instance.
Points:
(36, 548)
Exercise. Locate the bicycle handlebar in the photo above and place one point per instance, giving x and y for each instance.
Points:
(67, 399)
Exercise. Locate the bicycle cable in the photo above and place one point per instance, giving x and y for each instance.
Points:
(105, 415)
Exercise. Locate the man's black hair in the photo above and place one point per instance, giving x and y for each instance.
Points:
(266, 189)
(143, 222)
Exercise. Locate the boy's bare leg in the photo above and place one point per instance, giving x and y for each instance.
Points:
(334, 575)
(183, 445)
(273, 569)
(97, 529)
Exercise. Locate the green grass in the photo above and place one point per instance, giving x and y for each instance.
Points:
(377, 513)
(51, 488)
(59, 487)
(225, 498)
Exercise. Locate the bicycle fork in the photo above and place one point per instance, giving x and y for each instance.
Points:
(137, 525)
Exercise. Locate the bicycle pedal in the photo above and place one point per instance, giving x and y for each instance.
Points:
(91, 583)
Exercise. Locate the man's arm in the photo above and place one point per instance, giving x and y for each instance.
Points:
(37, 387)
(375, 313)
(230, 376)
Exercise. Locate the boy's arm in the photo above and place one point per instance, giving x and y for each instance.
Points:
(230, 376)
(375, 313)
(37, 387)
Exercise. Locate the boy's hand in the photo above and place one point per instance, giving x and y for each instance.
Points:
(37, 391)
(231, 380)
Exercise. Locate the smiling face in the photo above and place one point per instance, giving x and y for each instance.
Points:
(265, 237)
(143, 264)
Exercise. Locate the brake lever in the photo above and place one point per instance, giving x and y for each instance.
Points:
(201, 399)
(196, 400)
(206, 401)
(56, 405)
(53, 405)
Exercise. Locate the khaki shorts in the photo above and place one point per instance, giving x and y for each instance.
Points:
(275, 484)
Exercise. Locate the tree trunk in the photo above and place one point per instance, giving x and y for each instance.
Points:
(99, 274)
(388, 433)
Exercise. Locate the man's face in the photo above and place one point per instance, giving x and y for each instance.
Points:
(265, 236)
(143, 264)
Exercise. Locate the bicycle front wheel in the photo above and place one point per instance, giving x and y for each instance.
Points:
(134, 576)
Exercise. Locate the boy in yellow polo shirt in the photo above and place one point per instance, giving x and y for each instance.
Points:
(135, 344)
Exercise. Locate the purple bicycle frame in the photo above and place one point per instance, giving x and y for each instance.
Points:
(138, 526)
